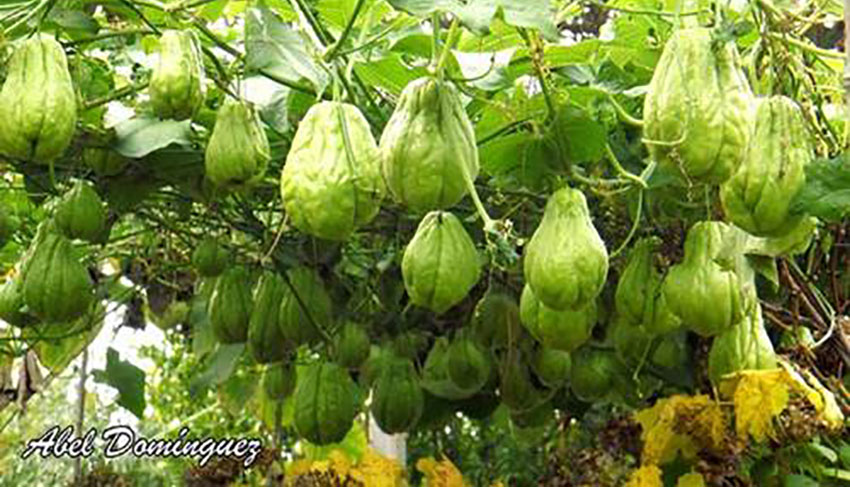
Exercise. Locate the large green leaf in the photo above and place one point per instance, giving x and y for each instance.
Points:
(273, 47)
(140, 136)
(128, 379)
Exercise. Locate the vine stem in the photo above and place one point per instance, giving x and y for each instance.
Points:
(32, 13)
(659, 13)
(451, 38)
(806, 47)
(334, 50)
(623, 114)
(635, 225)
(621, 170)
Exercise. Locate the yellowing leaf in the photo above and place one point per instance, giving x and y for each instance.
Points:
(828, 409)
(691, 480)
(376, 470)
(760, 396)
(680, 424)
(440, 474)
(646, 476)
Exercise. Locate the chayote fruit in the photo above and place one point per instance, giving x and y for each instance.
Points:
(209, 258)
(560, 330)
(566, 262)
(325, 402)
(496, 321)
(81, 214)
(638, 299)
(265, 340)
(177, 82)
(397, 398)
(238, 150)
(38, 106)
(305, 309)
(230, 305)
(704, 294)
(551, 366)
(757, 198)
(352, 345)
(331, 182)
(435, 373)
(57, 287)
(440, 264)
(428, 150)
(745, 346)
(12, 307)
(593, 374)
(279, 380)
(104, 161)
(698, 109)
(468, 363)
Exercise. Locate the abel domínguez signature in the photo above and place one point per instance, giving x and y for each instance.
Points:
(118, 441)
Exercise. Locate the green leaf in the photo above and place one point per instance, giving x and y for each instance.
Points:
(140, 136)
(76, 22)
(799, 481)
(273, 47)
(219, 367)
(128, 379)
(532, 14)
(390, 73)
(826, 193)
(583, 137)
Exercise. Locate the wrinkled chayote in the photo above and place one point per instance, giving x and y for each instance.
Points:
(561, 330)
(758, 196)
(704, 294)
(566, 262)
(177, 81)
(331, 182)
(745, 346)
(38, 106)
(428, 150)
(238, 150)
(440, 264)
(698, 110)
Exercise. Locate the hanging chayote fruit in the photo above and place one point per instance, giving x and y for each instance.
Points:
(57, 287)
(177, 81)
(305, 309)
(440, 264)
(552, 367)
(566, 262)
(279, 380)
(435, 373)
(81, 214)
(758, 197)
(230, 305)
(496, 321)
(331, 182)
(704, 294)
(325, 403)
(745, 346)
(265, 339)
(397, 398)
(209, 258)
(238, 150)
(698, 109)
(38, 106)
(428, 149)
(638, 298)
(593, 374)
(560, 330)
(12, 306)
(468, 362)
(352, 345)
